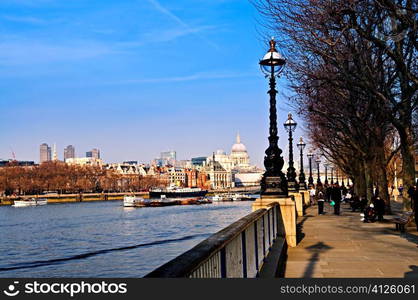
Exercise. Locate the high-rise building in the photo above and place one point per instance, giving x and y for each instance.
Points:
(199, 161)
(55, 155)
(69, 152)
(168, 158)
(94, 153)
(45, 153)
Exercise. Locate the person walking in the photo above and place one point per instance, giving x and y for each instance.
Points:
(312, 193)
(321, 201)
(328, 193)
(336, 197)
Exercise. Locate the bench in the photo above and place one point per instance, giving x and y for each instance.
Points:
(403, 220)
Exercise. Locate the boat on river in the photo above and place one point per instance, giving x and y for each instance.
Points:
(132, 201)
(30, 202)
(176, 192)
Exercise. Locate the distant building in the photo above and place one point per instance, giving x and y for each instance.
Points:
(219, 177)
(168, 158)
(177, 176)
(127, 169)
(94, 153)
(199, 161)
(130, 162)
(85, 161)
(195, 178)
(55, 155)
(6, 163)
(184, 164)
(236, 165)
(45, 153)
(69, 152)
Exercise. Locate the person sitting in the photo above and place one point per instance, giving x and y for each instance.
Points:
(379, 205)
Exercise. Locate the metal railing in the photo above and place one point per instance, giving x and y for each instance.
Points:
(238, 251)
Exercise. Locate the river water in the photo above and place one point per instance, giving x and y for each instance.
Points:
(104, 239)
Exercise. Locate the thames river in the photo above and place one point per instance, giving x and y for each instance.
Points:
(104, 239)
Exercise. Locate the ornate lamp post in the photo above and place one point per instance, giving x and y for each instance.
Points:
(302, 180)
(274, 181)
(290, 126)
(326, 165)
(310, 180)
(318, 161)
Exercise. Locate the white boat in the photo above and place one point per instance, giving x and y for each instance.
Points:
(236, 197)
(217, 198)
(30, 202)
(132, 201)
(220, 198)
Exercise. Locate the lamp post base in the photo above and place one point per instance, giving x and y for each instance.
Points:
(292, 186)
(274, 186)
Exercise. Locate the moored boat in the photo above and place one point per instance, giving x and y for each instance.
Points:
(30, 202)
(132, 201)
(175, 192)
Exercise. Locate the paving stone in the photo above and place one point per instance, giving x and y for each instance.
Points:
(344, 247)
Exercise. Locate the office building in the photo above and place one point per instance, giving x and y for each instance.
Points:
(69, 152)
(94, 153)
(45, 153)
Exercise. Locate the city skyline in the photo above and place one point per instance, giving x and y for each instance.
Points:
(94, 77)
(98, 154)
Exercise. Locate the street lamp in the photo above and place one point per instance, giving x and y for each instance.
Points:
(302, 181)
(290, 126)
(326, 165)
(274, 181)
(318, 161)
(310, 180)
(332, 175)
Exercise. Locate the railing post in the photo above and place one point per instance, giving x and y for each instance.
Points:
(256, 246)
(244, 254)
(223, 263)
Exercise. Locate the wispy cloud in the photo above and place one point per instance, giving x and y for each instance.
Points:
(180, 22)
(172, 34)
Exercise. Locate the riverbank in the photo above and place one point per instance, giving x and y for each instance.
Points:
(88, 197)
(68, 198)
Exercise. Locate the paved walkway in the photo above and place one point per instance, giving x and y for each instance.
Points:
(343, 247)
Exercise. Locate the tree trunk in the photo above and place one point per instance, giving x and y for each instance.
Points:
(408, 163)
(368, 173)
(359, 182)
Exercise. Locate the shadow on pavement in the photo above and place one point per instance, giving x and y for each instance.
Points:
(413, 273)
(316, 251)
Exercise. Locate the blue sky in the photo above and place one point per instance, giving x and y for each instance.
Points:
(133, 78)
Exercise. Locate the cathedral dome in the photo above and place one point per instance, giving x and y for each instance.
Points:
(239, 147)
